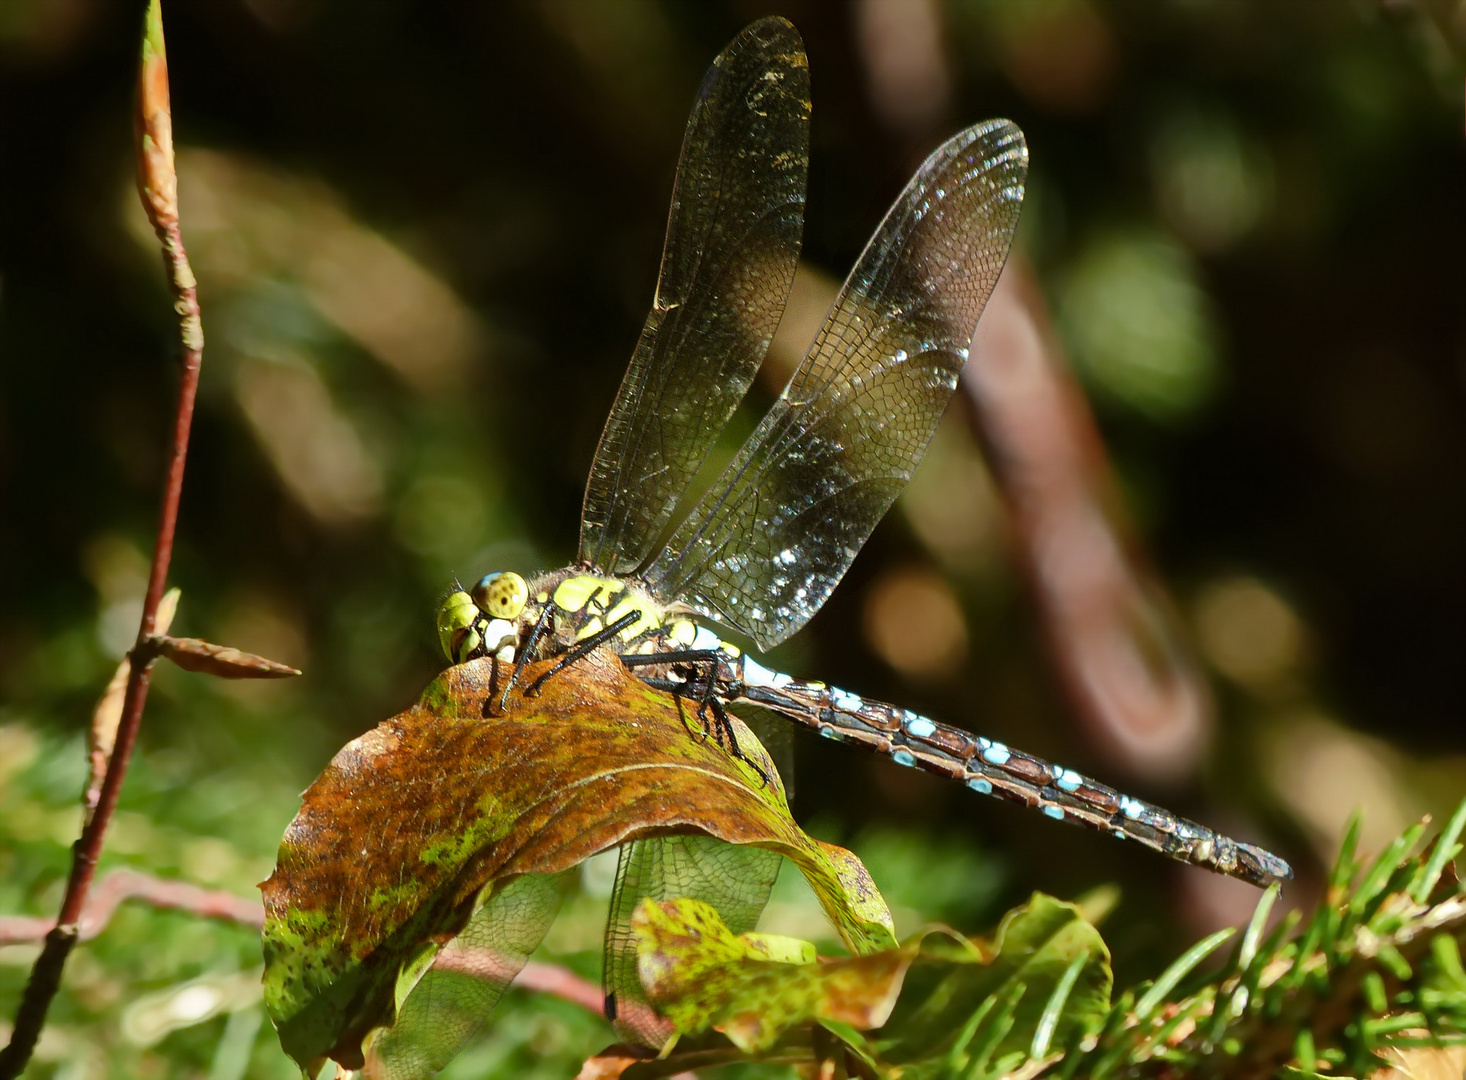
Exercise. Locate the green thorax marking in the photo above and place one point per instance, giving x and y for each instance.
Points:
(586, 603)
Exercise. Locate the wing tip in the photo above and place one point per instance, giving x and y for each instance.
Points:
(1001, 139)
(772, 30)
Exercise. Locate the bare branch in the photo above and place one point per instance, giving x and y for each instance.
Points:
(102, 735)
(122, 885)
(158, 187)
(1111, 632)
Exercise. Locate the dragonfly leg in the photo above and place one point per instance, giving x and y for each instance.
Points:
(537, 633)
(729, 740)
(583, 648)
(678, 689)
(704, 684)
(701, 663)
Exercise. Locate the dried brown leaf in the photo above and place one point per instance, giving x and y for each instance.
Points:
(192, 654)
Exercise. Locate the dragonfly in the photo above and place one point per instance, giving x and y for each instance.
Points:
(764, 546)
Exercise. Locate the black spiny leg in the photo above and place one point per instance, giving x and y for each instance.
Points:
(522, 654)
(678, 689)
(705, 663)
(583, 648)
(725, 726)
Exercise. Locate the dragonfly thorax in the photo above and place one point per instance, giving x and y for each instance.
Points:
(499, 613)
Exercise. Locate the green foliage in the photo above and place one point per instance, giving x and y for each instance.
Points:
(399, 300)
(1047, 967)
(1375, 968)
(158, 993)
(1376, 965)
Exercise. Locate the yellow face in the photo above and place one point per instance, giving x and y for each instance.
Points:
(491, 617)
(458, 633)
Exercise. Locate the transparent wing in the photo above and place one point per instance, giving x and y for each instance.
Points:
(763, 549)
(732, 243)
(453, 998)
(734, 879)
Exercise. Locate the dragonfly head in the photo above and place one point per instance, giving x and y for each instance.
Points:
(483, 620)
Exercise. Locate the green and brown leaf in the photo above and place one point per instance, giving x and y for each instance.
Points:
(422, 828)
(1047, 967)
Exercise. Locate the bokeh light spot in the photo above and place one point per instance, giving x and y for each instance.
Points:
(1212, 184)
(915, 624)
(313, 446)
(1248, 632)
(1139, 325)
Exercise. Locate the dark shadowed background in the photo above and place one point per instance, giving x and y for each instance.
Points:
(426, 235)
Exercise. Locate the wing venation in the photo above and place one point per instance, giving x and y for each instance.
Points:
(733, 237)
(764, 548)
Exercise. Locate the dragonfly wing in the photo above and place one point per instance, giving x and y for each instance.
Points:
(734, 879)
(449, 1004)
(764, 548)
(732, 243)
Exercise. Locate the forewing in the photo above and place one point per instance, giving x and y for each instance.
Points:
(778, 529)
(732, 244)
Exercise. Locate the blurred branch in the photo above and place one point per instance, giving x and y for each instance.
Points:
(1110, 632)
(122, 885)
(158, 187)
(534, 975)
(1449, 17)
(562, 983)
(901, 47)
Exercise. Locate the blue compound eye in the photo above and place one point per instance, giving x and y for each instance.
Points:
(501, 596)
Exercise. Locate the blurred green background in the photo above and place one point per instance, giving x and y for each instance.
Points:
(426, 235)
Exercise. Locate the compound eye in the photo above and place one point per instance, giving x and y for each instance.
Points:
(501, 596)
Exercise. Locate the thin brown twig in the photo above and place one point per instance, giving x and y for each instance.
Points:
(158, 186)
(102, 736)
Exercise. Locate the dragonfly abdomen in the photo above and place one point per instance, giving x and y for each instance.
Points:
(992, 768)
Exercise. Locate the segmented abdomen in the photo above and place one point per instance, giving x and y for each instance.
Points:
(991, 768)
